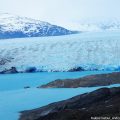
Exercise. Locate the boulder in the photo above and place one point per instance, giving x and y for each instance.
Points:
(26, 87)
(8, 71)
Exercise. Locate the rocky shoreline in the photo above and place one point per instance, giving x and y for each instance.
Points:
(104, 102)
(88, 81)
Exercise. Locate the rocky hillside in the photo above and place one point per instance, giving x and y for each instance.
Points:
(88, 81)
(103, 102)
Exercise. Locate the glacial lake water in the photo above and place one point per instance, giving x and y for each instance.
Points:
(14, 98)
(19, 81)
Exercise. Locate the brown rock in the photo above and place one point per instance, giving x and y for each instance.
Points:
(103, 102)
(88, 81)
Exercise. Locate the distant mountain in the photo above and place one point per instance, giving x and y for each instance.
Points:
(98, 26)
(12, 26)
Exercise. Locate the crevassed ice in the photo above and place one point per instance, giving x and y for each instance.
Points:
(99, 50)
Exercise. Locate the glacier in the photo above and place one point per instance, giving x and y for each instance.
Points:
(89, 50)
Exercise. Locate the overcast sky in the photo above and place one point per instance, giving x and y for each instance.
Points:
(63, 12)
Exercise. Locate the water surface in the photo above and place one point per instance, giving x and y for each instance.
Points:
(14, 98)
(19, 81)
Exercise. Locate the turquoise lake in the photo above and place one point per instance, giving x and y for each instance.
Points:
(19, 81)
(14, 98)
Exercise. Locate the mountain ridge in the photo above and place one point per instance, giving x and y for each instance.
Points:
(13, 26)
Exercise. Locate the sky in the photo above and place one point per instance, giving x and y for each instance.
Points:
(63, 12)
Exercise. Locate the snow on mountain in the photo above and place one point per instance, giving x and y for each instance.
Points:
(12, 26)
(88, 25)
(97, 50)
